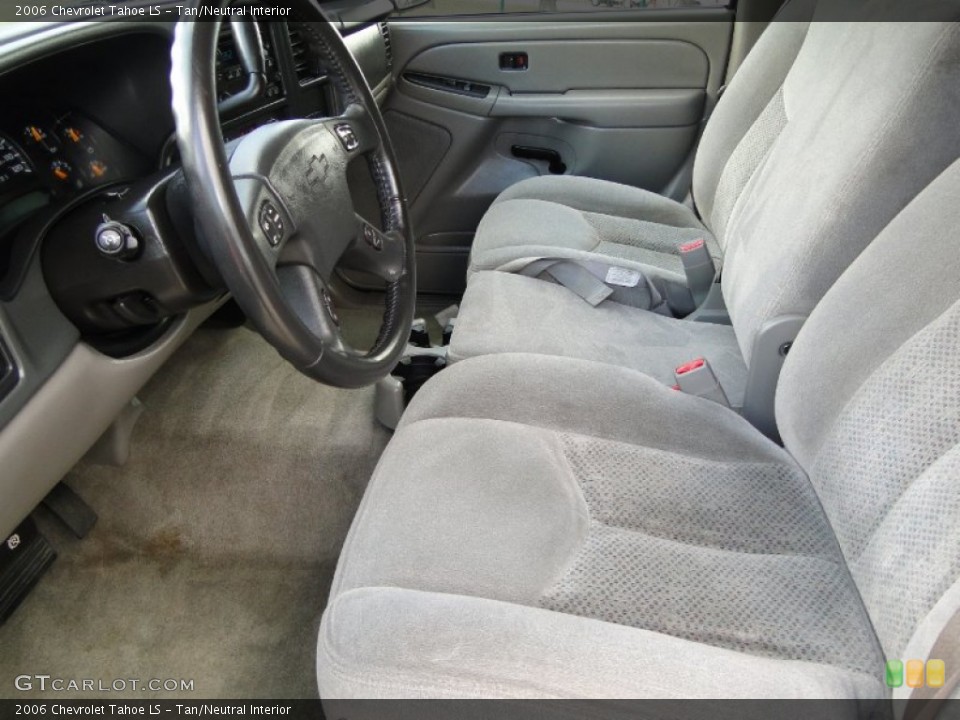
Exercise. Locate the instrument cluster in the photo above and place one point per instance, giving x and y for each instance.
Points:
(62, 154)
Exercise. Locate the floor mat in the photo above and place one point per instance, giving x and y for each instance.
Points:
(217, 541)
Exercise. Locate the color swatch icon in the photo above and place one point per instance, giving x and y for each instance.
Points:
(936, 673)
(894, 673)
(915, 672)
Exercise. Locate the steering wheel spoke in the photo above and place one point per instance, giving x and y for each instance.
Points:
(311, 300)
(382, 254)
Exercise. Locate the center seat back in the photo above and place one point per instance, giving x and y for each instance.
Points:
(864, 120)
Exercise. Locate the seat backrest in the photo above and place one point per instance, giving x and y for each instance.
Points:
(871, 118)
(869, 404)
(748, 119)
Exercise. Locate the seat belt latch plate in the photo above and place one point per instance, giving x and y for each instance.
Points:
(697, 378)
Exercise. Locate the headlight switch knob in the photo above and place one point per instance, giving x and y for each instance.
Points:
(116, 240)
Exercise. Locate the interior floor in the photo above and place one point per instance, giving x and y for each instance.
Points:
(217, 541)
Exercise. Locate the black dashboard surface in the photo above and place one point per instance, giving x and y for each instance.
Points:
(79, 120)
(98, 115)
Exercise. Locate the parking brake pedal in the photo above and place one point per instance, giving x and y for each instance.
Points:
(24, 557)
(71, 509)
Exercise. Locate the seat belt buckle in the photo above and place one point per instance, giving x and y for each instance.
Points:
(697, 378)
(698, 267)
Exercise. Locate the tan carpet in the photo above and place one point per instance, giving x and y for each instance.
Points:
(217, 541)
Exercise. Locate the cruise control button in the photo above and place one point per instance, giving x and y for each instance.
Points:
(331, 308)
(347, 137)
(372, 237)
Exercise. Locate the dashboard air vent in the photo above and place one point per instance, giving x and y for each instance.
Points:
(230, 74)
(305, 64)
(388, 48)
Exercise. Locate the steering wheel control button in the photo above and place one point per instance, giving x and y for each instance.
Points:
(271, 223)
(347, 137)
(116, 240)
(372, 238)
(331, 308)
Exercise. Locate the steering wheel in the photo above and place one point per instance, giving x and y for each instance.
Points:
(275, 210)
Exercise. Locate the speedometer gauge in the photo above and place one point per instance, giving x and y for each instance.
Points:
(13, 164)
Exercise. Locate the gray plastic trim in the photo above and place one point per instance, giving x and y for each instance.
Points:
(37, 336)
(705, 30)
(558, 65)
(453, 101)
(713, 309)
(769, 353)
(607, 108)
(68, 413)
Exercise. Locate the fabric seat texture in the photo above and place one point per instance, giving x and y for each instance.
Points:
(544, 526)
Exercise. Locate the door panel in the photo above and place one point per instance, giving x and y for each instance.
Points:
(563, 64)
(622, 101)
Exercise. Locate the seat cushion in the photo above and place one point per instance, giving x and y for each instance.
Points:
(606, 536)
(585, 219)
(503, 312)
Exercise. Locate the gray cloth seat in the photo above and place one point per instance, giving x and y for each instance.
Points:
(585, 219)
(823, 156)
(493, 527)
(544, 526)
(554, 323)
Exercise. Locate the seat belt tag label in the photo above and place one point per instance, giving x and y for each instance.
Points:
(622, 277)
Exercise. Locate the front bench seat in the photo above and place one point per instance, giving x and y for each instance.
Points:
(871, 112)
(585, 219)
(548, 527)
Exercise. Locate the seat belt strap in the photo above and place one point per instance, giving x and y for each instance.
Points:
(595, 281)
(580, 281)
(699, 268)
(926, 702)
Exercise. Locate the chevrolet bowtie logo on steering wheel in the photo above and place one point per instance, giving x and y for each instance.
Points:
(318, 170)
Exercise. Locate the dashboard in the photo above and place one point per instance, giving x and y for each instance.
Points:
(87, 133)
(99, 115)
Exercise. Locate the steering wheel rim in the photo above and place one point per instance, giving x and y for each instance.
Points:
(298, 169)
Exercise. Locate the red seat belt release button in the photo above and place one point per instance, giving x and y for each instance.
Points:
(697, 378)
(698, 267)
